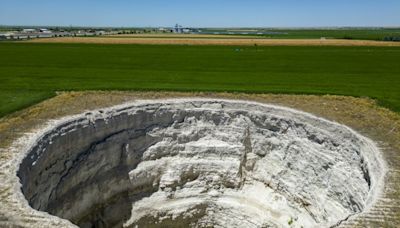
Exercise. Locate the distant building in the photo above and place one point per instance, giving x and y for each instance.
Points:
(43, 30)
(186, 30)
(5, 36)
(44, 35)
(100, 33)
(179, 29)
(28, 30)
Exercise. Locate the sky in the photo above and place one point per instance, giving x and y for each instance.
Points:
(201, 13)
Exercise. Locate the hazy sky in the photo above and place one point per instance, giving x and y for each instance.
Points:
(201, 13)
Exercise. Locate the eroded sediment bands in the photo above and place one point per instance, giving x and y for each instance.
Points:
(201, 163)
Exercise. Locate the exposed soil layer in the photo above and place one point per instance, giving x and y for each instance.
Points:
(361, 114)
(200, 163)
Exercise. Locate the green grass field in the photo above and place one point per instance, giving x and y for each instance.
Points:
(356, 34)
(32, 72)
(351, 34)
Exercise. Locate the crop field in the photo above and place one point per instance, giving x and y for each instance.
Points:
(176, 35)
(199, 40)
(345, 33)
(352, 34)
(31, 72)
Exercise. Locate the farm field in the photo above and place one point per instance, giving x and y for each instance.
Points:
(377, 34)
(31, 72)
(200, 40)
(339, 33)
(175, 35)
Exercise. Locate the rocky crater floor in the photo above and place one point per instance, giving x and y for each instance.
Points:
(200, 163)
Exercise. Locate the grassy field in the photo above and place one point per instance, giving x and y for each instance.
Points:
(213, 41)
(356, 34)
(30, 72)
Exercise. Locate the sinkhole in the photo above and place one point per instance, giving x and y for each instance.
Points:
(200, 163)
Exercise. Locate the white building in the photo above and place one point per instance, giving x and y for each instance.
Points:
(43, 30)
(100, 33)
(28, 30)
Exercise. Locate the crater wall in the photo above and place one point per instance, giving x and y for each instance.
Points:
(201, 163)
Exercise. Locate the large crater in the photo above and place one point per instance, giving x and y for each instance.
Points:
(200, 163)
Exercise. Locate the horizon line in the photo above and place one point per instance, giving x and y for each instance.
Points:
(210, 27)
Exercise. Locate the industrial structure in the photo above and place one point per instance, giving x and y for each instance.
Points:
(31, 33)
